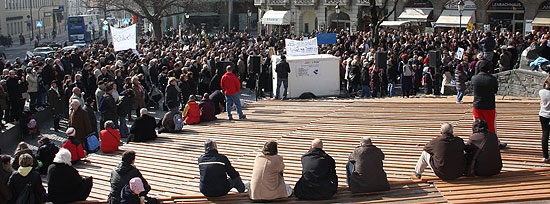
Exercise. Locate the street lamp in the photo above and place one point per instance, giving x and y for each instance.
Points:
(249, 13)
(460, 10)
(337, 15)
(186, 23)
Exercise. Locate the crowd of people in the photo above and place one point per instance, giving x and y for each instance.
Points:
(198, 76)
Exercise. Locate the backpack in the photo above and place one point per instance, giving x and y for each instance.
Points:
(26, 196)
(407, 70)
(178, 121)
(100, 105)
(92, 144)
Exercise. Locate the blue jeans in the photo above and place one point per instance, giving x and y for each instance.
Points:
(459, 96)
(390, 89)
(285, 84)
(365, 92)
(229, 100)
(349, 170)
(123, 128)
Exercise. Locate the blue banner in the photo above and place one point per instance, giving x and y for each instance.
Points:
(326, 38)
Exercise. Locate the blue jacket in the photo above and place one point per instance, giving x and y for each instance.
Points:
(214, 169)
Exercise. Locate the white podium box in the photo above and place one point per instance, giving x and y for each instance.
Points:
(318, 74)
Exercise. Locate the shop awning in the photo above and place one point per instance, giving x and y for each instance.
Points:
(204, 14)
(451, 18)
(272, 17)
(416, 14)
(394, 23)
(542, 19)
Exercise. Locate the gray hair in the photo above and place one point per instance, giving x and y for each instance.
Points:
(446, 128)
(144, 111)
(109, 124)
(366, 140)
(210, 144)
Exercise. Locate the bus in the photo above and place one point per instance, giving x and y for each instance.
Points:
(83, 28)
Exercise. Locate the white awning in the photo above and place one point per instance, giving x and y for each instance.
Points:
(416, 14)
(394, 23)
(272, 17)
(451, 18)
(542, 19)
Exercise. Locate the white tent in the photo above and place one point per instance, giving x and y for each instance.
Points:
(394, 23)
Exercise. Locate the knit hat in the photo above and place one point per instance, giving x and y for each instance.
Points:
(108, 88)
(136, 185)
(70, 132)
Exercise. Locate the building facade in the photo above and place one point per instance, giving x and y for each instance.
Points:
(21, 16)
(307, 15)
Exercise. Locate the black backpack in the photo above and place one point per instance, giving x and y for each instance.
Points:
(27, 196)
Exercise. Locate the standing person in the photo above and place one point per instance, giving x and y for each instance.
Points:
(214, 170)
(26, 176)
(139, 95)
(365, 169)
(108, 107)
(282, 68)
(65, 185)
(231, 86)
(544, 117)
(56, 104)
(89, 108)
(80, 121)
(5, 172)
(365, 82)
(485, 87)
(406, 75)
(123, 109)
(319, 180)
(172, 92)
(354, 77)
(461, 78)
(121, 176)
(267, 181)
(15, 96)
(32, 79)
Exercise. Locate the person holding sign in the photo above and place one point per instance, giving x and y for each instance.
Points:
(282, 69)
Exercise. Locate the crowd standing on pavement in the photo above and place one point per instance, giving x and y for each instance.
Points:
(194, 77)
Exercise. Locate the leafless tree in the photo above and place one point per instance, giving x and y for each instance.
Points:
(378, 15)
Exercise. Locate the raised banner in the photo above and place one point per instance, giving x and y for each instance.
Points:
(326, 38)
(300, 48)
(124, 38)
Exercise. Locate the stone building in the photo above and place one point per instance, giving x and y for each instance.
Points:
(18, 17)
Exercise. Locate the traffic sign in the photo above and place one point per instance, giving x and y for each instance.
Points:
(105, 27)
(38, 24)
(105, 22)
(126, 21)
(61, 8)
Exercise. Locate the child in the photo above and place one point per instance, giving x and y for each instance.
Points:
(191, 113)
(130, 192)
(45, 154)
(76, 149)
(460, 77)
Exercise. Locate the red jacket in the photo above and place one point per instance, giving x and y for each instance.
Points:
(192, 113)
(110, 138)
(230, 84)
(77, 152)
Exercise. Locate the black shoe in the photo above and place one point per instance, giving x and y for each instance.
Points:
(242, 118)
(502, 145)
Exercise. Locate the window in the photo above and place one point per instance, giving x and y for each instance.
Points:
(75, 20)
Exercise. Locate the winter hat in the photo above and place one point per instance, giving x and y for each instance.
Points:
(70, 132)
(63, 157)
(136, 185)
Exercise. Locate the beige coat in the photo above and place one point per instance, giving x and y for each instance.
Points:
(267, 182)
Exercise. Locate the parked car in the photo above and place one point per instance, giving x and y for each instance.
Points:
(42, 51)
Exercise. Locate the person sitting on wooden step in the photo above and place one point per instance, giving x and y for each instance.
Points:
(122, 174)
(172, 122)
(143, 128)
(365, 169)
(482, 151)
(319, 180)
(214, 170)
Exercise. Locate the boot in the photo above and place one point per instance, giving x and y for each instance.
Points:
(56, 124)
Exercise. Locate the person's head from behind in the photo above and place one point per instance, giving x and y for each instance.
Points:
(109, 124)
(136, 185)
(210, 145)
(5, 160)
(43, 140)
(143, 111)
(366, 140)
(63, 157)
(480, 126)
(229, 68)
(317, 143)
(446, 129)
(76, 91)
(22, 146)
(192, 98)
(283, 57)
(546, 84)
(25, 160)
(270, 148)
(129, 156)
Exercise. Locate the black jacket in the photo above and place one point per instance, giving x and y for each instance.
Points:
(18, 182)
(45, 154)
(447, 156)
(319, 180)
(14, 89)
(365, 76)
(485, 87)
(171, 94)
(109, 111)
(120, 177)
(214, 169)
(65, 184)
(282, 69)
(368, 172)
(91, 114)
(217, 97)
(124, 105)
(488, 162)
(143, 129)
(5, 193)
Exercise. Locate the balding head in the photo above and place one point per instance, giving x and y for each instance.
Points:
(317, 143)
(446, 128)
(366, 141)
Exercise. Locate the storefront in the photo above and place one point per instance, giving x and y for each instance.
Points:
(276, 20)
(452, 18)
(418, 11)
(542, 20)
(506, 15)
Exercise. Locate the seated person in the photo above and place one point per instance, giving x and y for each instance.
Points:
(267, 181)
(121, 176)
(319, 180)
(172, 121)
(143, 128)
(110, 138)
(214, 170)
(218, 99)
(76, 149)
(482, 151)
(208, 112)
(5, 173)
(25, 175)
(444, 154)
(23, 148)
(65, 185)
(130, 192)
(365, 168)
(45, 154)
(191, 112)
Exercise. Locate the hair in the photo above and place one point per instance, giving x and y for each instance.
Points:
(446, 128)
(109, 124)
(25, 160)
(270, 148)
(75, 102)
(229, 68)
(546, 84)
(366, 140)
(192, 97)
(210, 144)
(22, 146)
(129, 156)
(44, 140)
(143, 111)
(480, 126)
(5, 160)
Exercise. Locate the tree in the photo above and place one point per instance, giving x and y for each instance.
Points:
(378, 15)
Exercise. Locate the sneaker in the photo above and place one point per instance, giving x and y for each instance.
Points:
(243, 117)
(502, 145)
(546, 160)
(416, 176)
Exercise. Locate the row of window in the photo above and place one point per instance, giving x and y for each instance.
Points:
(14, 28)
(24, 4)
